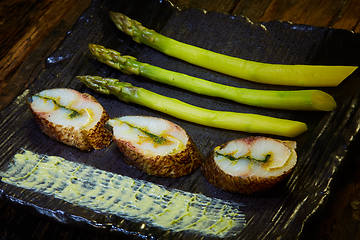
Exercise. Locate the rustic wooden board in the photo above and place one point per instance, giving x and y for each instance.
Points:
(336, 36)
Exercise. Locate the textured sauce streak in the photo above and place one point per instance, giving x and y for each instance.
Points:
(132, 199)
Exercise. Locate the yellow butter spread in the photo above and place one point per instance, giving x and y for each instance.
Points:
(131, 199)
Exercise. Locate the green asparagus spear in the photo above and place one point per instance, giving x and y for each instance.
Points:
(279, 74)
(292, 100)
(252, 123)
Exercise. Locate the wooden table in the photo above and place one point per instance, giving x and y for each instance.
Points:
(25, 26)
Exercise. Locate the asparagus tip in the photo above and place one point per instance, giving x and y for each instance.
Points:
(114, 14)
(92, 45)
(94, 82)
(126, 64)
(119, 19)
(127, 25)
(95, 49)
(99, 50)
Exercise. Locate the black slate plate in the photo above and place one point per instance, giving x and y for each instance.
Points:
(280, 212)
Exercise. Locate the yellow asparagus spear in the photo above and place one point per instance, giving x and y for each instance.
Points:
(278, 74)
(252, 123)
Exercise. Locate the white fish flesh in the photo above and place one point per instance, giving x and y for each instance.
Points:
(156, 146)
(71, 117)
(250, 164)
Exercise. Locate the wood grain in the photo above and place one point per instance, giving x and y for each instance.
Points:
(225, 6)
(251, 9)
(37, 26)
(348, 17)
(24, 25)
(323, 13)
(31, 29)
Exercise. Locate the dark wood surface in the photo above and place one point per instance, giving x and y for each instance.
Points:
(26, 24)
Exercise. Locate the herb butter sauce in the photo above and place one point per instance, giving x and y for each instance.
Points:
(131, 199)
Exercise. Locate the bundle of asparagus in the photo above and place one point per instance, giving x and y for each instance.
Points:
(291, 75)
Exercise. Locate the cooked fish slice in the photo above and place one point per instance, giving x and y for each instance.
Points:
(71, 117)
(250, 164)
(156, 146)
